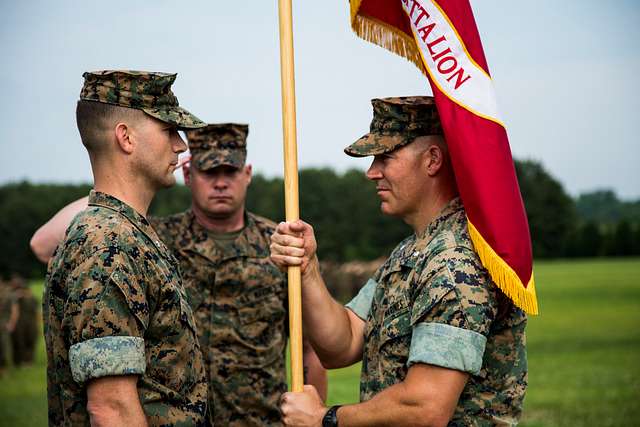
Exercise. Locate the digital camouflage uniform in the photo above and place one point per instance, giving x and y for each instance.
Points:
(239, 297)
(114, 302)
(433, 302)
(239, 301)
(114, 305)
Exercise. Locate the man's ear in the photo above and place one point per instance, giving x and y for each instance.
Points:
(433, 158)
(124, 137)
(248, 170)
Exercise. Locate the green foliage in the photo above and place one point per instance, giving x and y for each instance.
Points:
(345, 212)
(550, 210)
(24, 207)
(171, 200)
(604, 207)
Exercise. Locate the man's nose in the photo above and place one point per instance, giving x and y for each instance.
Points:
(179, 146)
(220, 182)
(374, 172)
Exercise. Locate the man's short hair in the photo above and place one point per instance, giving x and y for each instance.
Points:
(96, 119)
(423, 142)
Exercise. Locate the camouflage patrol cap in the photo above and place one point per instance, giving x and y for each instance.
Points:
(142, 90)
(218, 144)
(397, 122)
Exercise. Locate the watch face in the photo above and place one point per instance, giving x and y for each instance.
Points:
(330, 418)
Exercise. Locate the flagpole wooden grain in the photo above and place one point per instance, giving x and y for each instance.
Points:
(291, 185)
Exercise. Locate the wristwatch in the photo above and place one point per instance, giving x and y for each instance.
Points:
(330, 418)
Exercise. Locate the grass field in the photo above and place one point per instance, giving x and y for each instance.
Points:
(584, 353)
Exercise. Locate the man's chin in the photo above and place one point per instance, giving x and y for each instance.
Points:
(387, 210)
(219, 211)
(169, 182)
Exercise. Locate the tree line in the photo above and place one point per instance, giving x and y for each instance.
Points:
(344, 210)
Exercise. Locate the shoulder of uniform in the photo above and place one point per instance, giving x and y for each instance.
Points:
(169, 227)
(97, 230)
(99, 226)
(453, 238)
(264, 224)
(160, 221)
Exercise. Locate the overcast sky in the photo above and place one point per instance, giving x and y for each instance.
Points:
(566, 76)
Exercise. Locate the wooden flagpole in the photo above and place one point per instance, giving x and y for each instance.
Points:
(291, 185)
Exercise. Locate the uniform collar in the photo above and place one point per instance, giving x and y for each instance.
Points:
(104, 200)
(248, 244)
(435, 227)
(410, 250)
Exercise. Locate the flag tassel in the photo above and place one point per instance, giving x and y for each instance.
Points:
(503, 275)
(384, 35)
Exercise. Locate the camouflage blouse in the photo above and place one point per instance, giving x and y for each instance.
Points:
(432, 302)
(239, 298)
(114, 305)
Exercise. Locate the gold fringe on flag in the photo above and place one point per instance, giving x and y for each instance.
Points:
(503, 275)
(384, 35)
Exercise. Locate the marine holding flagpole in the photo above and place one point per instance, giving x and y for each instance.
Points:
(440, 327)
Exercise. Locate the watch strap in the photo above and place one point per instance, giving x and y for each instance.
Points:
(330, 418)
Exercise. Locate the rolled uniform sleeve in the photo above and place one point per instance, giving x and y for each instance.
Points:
(361, 303)
(105, 318)
(452, 314)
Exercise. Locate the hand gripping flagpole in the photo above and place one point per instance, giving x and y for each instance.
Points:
(291, 186)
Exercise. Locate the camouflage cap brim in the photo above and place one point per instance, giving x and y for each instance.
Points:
(177, 116)
(373, 144)
(212, 159)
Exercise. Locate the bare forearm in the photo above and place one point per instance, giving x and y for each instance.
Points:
(428, 396)
(118, 416)
(393, 406)
(113, 401)
(315, 374)
(326, 322)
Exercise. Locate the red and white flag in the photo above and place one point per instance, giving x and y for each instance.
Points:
(441, 38)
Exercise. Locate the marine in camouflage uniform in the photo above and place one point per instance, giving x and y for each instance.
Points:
(25, 334)
(114, 303)
(7, 306)
(432, 302)
(239, 297)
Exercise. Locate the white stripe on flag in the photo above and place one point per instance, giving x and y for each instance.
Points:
(447, 61)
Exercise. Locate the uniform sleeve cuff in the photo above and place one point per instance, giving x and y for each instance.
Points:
(447, 346)
(106, 356)
(361, 303)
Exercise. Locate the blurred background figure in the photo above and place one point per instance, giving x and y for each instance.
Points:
(25, 332)
(8, 319)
